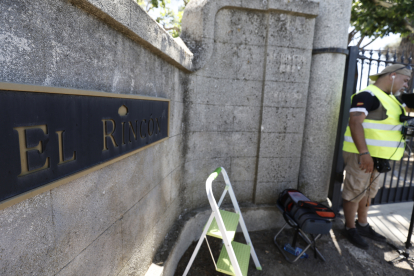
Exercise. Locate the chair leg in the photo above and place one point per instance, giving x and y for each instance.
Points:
(305, 237)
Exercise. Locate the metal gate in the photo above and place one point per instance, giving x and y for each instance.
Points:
(397, 185)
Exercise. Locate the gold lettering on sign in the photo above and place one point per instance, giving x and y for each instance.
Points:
(123, 133)
(131, 130)
(140, 129)
(60, 139)
(24, 166)
(106, 135)
(150, 131)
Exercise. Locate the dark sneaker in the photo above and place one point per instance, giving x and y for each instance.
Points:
(369, 232)
(354, 237)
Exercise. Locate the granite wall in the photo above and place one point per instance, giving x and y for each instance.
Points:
(111, 221)
(246, 109)
(325, 91)
(238, 82)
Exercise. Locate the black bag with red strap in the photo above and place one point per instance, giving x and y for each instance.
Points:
(312, 217)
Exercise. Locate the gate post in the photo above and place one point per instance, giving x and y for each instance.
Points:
(349, 88)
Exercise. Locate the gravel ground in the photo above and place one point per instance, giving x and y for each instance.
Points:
(342, 258)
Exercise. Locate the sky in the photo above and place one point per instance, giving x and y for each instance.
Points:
(379, 43)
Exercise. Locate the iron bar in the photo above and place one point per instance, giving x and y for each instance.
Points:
(406, 169)
(391, 180)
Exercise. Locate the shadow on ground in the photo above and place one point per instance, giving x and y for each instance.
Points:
(342, 258)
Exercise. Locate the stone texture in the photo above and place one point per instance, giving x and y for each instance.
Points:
(243, 191)
(329, 27)
(127, 17)
(283, 94)
(75, 229)
(210, 144)
(221, 144)
(245, 144)
(236, 61)
(142, 256)
(292, 31)
(238, 27)
(136, 223)
(306, 8)
(194, 186)
(198, 30)
(246, 86)
(243, 108)
(325, 89)
(258, 218)
(50, 36)
(176, 118)
(223, 118)
(281, 145)
(243, 169)
(27, 238)
(283, 120)
(238, 92)
(320, 135)
(287, 64)
(278, 170)
(268, 192)
(102, 257)
(82, 211)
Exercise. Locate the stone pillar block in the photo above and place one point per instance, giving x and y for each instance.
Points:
(325, 89)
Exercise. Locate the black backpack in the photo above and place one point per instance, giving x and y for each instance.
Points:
(310, 216)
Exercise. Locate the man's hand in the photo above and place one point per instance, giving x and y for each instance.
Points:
(366, 163)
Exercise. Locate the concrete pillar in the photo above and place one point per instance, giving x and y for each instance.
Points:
(324, 98)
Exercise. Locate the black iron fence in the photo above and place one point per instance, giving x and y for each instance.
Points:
(371, 62)
(398, 184)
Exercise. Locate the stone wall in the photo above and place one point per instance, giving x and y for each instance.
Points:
(246, 110)
(111, 221)
(325, 91)
(239, 99)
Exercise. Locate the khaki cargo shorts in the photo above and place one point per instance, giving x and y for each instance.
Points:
(357, 181)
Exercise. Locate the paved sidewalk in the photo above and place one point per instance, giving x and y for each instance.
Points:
(392, 221)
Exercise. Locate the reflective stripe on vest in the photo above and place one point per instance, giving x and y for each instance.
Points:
(379, 143)
(382, 126)
(383, 137)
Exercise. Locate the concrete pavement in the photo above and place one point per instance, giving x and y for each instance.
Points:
(392, 221)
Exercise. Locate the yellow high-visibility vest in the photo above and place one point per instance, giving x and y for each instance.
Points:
(383, 137)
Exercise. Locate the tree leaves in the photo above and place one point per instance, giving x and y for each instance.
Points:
(164, 14)
(379, 18)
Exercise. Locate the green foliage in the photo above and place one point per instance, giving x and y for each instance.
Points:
(150, 4)
(164, 14)
(379, 18)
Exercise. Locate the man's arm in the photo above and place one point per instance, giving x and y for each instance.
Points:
(366, 162)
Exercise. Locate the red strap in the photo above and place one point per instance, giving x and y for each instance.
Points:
(326, 214)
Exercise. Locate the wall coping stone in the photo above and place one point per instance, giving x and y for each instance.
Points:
(127, 17)
(198, 22)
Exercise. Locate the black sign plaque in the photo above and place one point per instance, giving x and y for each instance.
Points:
(49, 136)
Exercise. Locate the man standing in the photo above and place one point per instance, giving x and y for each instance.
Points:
(374, 131)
